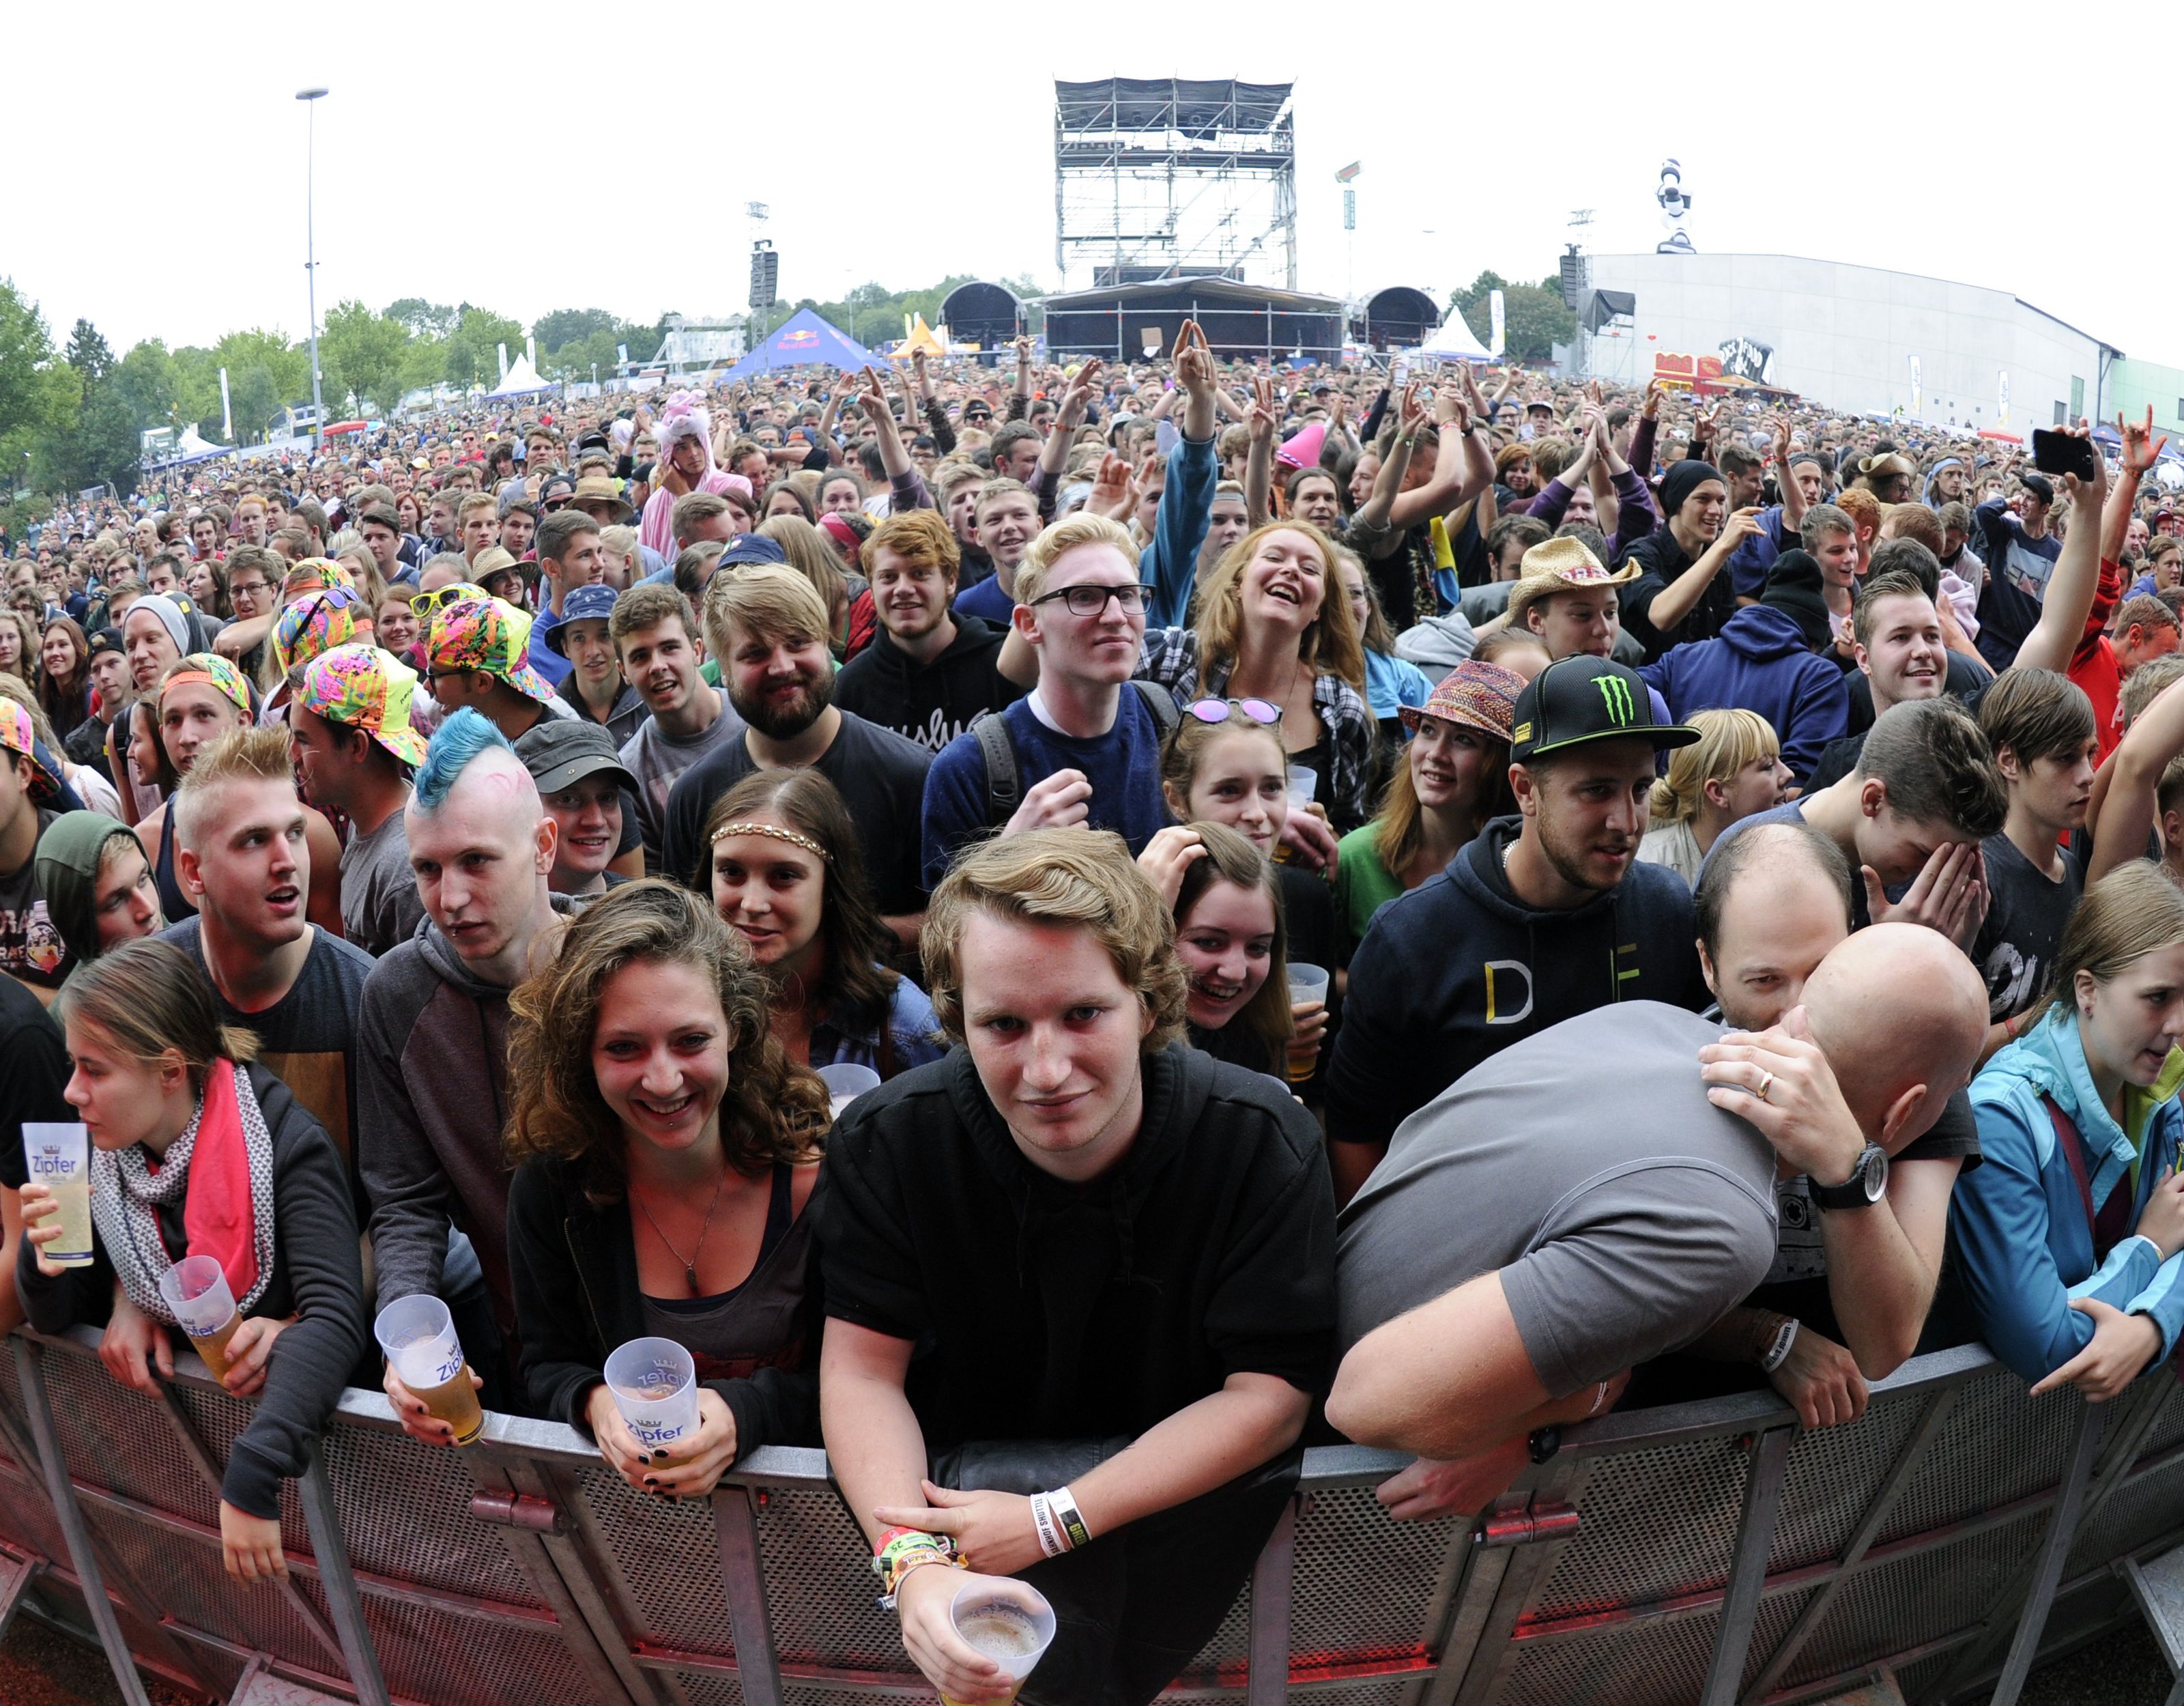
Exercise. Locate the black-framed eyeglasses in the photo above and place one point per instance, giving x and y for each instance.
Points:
(1091, 600)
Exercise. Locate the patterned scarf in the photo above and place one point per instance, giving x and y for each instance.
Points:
(229, 1216)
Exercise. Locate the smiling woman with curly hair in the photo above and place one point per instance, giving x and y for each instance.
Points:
(666, 1148)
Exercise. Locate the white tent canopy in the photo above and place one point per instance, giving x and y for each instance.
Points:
(1453, 342)
(522, 379)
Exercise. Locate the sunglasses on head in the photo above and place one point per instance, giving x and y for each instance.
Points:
(1221, 709)
(425, 603)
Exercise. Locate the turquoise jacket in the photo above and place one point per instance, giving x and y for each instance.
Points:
(2017, 1223)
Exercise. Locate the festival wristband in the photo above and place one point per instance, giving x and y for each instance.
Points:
(1049, 1531)
(1062, 1503)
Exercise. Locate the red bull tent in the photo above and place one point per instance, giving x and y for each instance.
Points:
(804, 340)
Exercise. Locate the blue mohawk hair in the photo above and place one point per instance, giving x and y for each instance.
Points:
(460, 738)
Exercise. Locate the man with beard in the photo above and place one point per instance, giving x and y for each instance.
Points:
(1681, 593)
(769, 630)
(1544, 916)
(927, 675)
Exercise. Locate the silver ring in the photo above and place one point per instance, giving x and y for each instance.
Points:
(1766, 1083)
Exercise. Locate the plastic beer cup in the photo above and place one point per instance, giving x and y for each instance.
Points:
(655, 1383)
(845, 1084)
(418, 1335)
(196, 1288)
(1308, 982)
(59, 1156)
(1007, 1621)
(1303, 783)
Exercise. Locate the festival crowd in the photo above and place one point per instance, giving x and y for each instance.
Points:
(1380, 908)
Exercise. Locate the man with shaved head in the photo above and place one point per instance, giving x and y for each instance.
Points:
(434, 1027)
(1522, 1247)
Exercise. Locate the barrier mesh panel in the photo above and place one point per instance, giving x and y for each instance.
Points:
(1833, 1475)
(820, 1586)
(428, 1534)
(1653, 1662)
(122, 1440)
(1231, 1643)
(1996, 1445)
(1908, 1601)
(433, 1656)
(2139, 1512)
(184, 1578)
(26, 1520)
(667, 1558)
(219, 1420)
(1362, 1580)
(1694, 1490)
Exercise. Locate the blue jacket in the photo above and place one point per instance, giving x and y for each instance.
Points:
(913, 1034)
(2017, 1224)
(1760, 661)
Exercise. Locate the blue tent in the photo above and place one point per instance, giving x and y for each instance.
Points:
(804, 340)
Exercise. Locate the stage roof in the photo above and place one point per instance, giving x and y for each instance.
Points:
(1225, 293)
(1169, 104)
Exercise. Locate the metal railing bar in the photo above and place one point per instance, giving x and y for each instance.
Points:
(1479, 1571)
(1878, 1509)
(1748, 1570)
(743, 1584)
(2054, 1551)
(1273, 1582)
(74, 1529)
(329, 1551)
(1533, 1566)
(565, 1588)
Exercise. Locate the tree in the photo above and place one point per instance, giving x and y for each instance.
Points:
(101, 443)
(361, 354)
(33, 400)
(565, 325)
(144, 380)
(266, 372)
(472, 347)
(423, 319)
(1535, 316)
(88, 353)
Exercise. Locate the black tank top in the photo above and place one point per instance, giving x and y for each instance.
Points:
(755, 1326)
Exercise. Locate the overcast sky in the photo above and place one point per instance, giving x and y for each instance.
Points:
(612, 149)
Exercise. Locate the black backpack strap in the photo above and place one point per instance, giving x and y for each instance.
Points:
(1004, 787)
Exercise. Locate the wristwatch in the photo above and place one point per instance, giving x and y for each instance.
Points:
(1542, 1443)
(1867, 1181)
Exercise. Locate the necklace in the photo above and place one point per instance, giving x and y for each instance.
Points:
(689, 1264)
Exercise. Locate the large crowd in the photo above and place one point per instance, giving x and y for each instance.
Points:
(1411, 910)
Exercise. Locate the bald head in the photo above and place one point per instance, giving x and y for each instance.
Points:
(1897, 1009)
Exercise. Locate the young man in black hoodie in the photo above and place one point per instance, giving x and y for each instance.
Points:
(929, 673)
(1072, 1234)
(1545, 915)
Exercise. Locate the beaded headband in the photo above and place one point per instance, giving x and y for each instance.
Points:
(779, 834)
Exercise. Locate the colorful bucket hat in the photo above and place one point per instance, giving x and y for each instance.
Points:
(210, 669)
(17, 735)
(362, 687)
(316, 624)
(308, 574)
(488, 634)
(1475, 694)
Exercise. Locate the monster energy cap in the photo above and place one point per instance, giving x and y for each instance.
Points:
(1582, 699)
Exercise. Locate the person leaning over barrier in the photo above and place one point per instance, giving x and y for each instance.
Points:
(1848, 1293)
(1516, 1253)
(2067, 1240)
(197, 1151)
(1111, 1257)
(666, 1148)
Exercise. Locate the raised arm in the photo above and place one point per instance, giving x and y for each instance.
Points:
(2075, 577)
(2140, 451)
(2125, 814)
(1453, 472)
(1785, 480)
(1375, 513)
(1676, 600)
(1259, 465)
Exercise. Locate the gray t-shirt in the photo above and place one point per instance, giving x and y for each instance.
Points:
(655, 758)
(1625, 1212)
(379, 901)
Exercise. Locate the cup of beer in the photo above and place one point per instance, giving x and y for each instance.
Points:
(1307, 985)
(196, 1288)
(418, 1335)
(845, 1084)
(655, 1385)
(1006, 1620)
(59, 1156)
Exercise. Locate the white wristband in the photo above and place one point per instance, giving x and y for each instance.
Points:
(1068, 1520)
(1049, 1531)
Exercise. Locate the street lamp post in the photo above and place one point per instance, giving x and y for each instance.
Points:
(307, 97)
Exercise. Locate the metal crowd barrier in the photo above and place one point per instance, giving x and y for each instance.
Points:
(1707, 1553)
